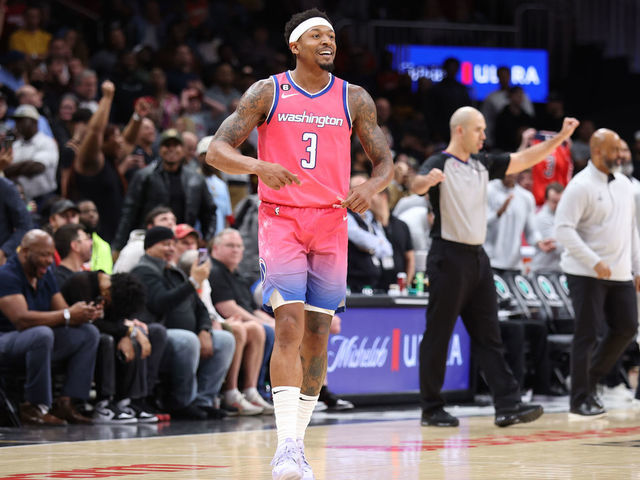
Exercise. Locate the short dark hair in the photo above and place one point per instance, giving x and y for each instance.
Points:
(151, 216)
(63, 237)
(298, 18)
(128, 297)
(555, 186)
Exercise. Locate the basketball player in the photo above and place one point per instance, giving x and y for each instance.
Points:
(305, 118)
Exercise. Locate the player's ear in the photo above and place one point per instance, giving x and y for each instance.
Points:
(293, 46)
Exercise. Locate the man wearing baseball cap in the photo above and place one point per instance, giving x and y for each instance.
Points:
(167, 182)
(35, 156)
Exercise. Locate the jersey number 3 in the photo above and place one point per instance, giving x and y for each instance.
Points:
(311, 148)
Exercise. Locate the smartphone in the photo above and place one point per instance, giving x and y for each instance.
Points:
(203, 254)
(7, 140)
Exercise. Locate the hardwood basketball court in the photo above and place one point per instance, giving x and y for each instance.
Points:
(365, 445)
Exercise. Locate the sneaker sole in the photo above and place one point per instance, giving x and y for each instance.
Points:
(526, 418)
(576, 417)
(288, 476)
(438, 424)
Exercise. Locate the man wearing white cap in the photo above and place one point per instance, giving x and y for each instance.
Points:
(35, 156)
(217, 187)
(305, 118)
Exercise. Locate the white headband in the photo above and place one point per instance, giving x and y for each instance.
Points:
(306, 25)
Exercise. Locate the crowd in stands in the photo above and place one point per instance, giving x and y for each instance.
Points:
(106, 202)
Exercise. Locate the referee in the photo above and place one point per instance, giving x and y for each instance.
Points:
(460, 276)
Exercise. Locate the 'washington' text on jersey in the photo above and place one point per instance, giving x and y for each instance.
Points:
(303, 117)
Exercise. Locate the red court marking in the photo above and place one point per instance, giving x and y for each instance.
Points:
(492, 440)
(108, 472)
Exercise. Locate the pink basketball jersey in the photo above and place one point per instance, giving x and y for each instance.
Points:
(309, 135)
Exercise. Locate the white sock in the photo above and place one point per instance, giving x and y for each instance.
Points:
(231, 396)
(250, 393)
(305, 409)
(285, 404)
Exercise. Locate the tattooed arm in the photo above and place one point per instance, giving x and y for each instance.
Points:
(375, 145)
(252, 111)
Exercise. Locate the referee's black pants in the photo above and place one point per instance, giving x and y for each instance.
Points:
(461, 283)
(596, 349)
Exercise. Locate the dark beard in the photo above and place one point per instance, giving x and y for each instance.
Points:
(327, 67)
(88, 228)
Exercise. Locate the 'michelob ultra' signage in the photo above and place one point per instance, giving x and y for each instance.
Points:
(378, 351)
(478, 67)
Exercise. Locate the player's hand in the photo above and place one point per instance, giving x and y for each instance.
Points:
(569, 125)
(636, 282)
(275, 176)
(602, 270)
(359, 198)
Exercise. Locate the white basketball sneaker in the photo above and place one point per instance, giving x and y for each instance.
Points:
(286, 462)
(307, 473)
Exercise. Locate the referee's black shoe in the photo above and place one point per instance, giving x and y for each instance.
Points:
(520, 413)
(438, 418)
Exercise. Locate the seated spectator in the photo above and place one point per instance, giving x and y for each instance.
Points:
(31, 40)
(231, 296)
(38, 328)
(146, 141)
(13, 66)
(35, 157)
(369, 250)
(398, 234)
(29, 95)
(134, 249)
(62, 212)
(245, 220)
(15, 220)
(217, 187)
(101, 252)
(187, 238)
(73, 244)
(130, 351)
(247, 359)
(543, 221)
(198, 355)
(86, 89)
(167, 183)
